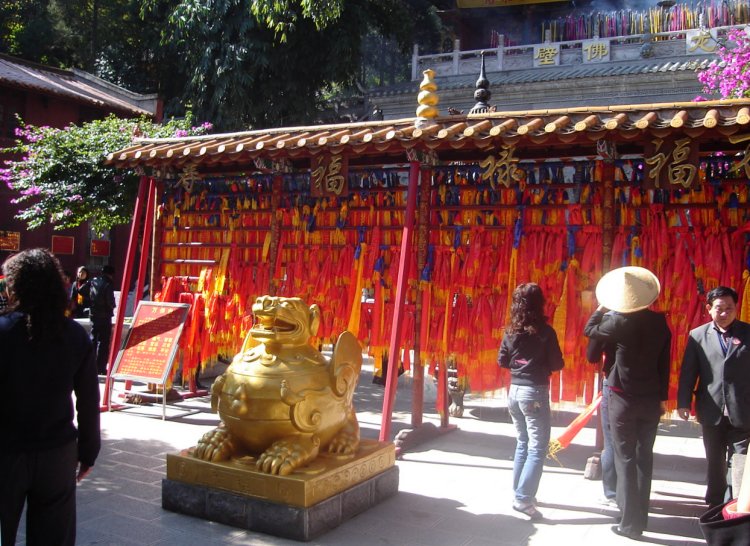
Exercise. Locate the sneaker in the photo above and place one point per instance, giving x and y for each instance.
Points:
(529, 510)
(608, 502)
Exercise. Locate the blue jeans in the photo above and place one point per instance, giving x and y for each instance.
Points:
(529, 409)
(609, 475)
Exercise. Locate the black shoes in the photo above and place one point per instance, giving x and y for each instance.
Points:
(632, 535)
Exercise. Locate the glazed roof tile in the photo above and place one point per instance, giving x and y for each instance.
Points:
(635, 122)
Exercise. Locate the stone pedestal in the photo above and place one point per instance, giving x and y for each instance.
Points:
(301, 506)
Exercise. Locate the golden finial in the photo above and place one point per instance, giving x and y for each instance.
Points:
(427, 97)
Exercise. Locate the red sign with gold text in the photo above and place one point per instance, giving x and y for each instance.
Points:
(152, 342)
(99, 247)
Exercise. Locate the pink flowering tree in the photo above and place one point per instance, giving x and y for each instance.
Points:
(59, 176)
(730, 76)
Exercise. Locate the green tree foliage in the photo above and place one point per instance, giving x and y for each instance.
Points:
(240, 63)
(281, 15)
(243, 73)
(61, 178)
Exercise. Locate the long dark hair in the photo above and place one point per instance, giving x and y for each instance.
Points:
(527, 309)
(37, 289)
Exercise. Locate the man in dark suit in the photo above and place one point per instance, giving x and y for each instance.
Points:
(717, 356)
(638, 383)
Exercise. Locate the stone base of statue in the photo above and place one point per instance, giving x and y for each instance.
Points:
(300, 506)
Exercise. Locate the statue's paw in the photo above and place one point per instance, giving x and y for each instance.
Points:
(216, 445)
(456, 411)
(345, 443)
(284, 456)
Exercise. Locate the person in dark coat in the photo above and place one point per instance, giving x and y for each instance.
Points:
(531, 351)
(80, 294)
(102, 309)
(717, 356)
(638, 382)
(46, 358)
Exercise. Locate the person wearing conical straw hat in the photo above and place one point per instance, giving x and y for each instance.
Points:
(717, 358)
(638, 382)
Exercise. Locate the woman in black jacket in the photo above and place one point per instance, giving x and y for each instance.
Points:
(531, 350)
(45, 358)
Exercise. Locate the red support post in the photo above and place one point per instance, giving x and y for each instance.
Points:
(148, 225)
(128, 268)
(403, 272)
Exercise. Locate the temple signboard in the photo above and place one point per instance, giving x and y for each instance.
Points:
(595, 51)
(501, 169)
(328, 176)
(701, 41)
(546, 55)
(670, 163)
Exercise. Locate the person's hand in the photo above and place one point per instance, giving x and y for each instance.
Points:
(602, 308)
(684, 413)
(663, 407)
(83, 471)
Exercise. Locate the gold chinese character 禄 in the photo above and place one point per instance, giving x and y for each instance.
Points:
(596, 50)
(502, 169)
(546, 55)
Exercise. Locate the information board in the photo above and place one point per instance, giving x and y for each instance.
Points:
(151, 343)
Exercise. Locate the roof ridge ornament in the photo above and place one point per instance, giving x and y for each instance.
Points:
(482, 94)
(427, 99)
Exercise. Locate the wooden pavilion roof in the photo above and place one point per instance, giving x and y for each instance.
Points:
(570, 132)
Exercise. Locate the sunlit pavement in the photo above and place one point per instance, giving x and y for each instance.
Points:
(455, 489)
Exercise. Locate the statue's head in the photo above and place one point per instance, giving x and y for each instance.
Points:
(286, 321)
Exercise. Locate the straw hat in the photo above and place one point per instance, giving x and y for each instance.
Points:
(628, 289)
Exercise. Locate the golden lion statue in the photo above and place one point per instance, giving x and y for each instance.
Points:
(280, 399)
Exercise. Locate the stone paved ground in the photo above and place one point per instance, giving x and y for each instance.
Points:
(454, 489)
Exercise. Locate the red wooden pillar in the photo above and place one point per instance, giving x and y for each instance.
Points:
(145, 191)
(145, 243)
(398, 313)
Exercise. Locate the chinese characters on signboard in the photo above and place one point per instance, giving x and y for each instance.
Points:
(99, 247)
(501, 169)
(701, 41)
(546, 55)
(10, 240)
(152, 342)
(595, 51)
(328, 175)
(672, 163)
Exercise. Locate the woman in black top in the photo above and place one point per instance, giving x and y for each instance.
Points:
(80, 293)
(531, 350)
(45, 358)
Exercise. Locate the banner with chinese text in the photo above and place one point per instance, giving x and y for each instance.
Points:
(151, 344)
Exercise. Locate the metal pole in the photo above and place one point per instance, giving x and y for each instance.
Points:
(403, 273)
